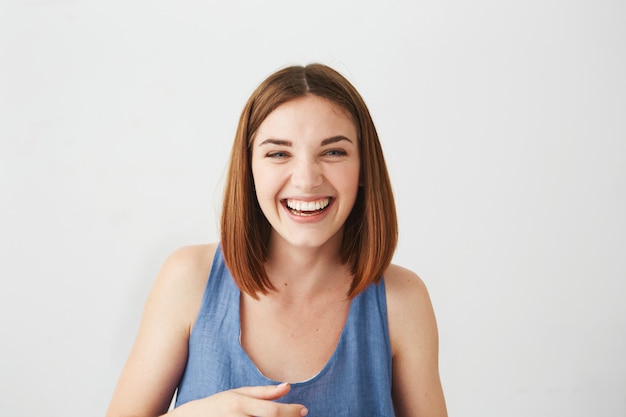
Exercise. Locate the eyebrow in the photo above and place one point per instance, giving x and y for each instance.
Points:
(282, 142)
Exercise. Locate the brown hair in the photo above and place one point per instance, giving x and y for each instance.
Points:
(370, 233)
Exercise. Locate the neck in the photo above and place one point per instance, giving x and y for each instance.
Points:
(304, 273)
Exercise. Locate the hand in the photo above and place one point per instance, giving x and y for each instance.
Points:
(246, 401)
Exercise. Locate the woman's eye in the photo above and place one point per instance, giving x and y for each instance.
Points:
(276, 155)
(336, 152)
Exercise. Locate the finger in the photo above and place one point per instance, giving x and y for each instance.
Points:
(265, 392)
(265, 408)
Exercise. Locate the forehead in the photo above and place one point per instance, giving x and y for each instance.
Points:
(308, 117)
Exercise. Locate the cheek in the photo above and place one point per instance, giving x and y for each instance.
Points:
(264, 182)
(350, 178)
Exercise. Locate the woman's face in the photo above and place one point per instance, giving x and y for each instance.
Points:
(305, 164)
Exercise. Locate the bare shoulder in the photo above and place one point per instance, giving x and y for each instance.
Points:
(415, 346)
(407, 296)
(409, 309)
(183, 277)
(399, 281)
(188, 262)
(157, 359)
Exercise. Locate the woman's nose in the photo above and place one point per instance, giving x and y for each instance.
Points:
(306, 175)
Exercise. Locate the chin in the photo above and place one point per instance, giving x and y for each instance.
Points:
(311, 241)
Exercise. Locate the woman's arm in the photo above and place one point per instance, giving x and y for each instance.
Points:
(417, 390)
(159, 354)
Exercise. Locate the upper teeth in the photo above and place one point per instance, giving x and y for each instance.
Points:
(307, 205)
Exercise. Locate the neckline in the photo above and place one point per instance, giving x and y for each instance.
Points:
(325, 368)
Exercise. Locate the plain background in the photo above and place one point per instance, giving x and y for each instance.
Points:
(504, 128)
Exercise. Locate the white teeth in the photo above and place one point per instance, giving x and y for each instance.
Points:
(298, 205)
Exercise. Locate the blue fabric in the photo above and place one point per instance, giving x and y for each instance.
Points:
(356, 381)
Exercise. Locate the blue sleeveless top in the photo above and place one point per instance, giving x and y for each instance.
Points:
(356, 381)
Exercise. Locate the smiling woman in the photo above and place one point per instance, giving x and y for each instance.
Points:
(312, 178)
(297, 309)
(370, 231)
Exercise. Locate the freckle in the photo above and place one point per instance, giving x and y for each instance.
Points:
(317, 330)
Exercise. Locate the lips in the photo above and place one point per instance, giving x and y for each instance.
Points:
(306, 208)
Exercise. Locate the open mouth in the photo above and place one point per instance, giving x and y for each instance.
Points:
(306, 208)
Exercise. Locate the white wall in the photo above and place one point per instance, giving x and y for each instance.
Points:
(504, 125)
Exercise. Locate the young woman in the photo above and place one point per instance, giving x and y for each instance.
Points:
(297, 310)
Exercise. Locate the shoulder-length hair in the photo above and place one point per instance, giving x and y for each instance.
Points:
(370, 233)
